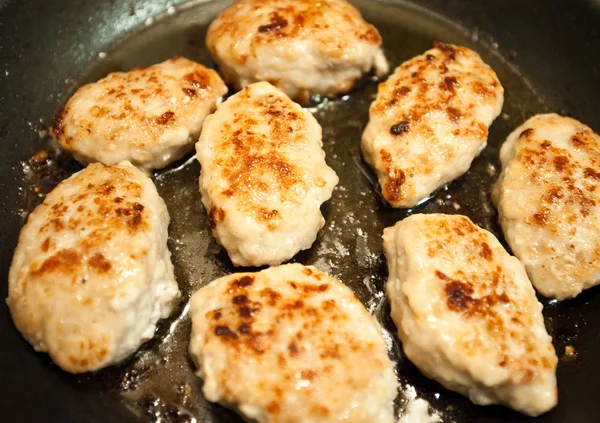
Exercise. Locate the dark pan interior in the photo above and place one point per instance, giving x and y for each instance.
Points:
(546, 54)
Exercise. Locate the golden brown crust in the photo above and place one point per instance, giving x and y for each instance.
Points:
(295, 19)
(92, 269)
(300, 324)
(547, 198)
(441, 61)
(194, 83)
(234, 324)
(147, 116)
(102, 212)
(434, 100)
(257, 157)
(483, 292)
(264, 176)
(303, 47)
(576, 195)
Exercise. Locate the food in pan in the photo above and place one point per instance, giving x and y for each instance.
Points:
(303, 47)
(92, 275)
(429, 121)
(283, 344)
(548, 199)
(263, 176)
(150, 116)
(291, 344)
(467, 314)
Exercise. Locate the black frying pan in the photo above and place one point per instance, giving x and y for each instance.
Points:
(546, 53)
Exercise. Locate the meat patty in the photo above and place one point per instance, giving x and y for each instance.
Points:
(429, 121)
(92, 275)
(264, 176)
(290, 344)
(548, 200)
(303, 47)
(150, 116)
(467, 314)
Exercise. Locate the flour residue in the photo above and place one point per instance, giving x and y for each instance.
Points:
(417, 410)
(365, 258)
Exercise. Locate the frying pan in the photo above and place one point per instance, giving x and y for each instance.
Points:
(546, 53)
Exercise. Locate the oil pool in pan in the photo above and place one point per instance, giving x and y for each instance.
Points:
(159, 383)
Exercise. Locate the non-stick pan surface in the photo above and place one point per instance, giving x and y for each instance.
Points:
(546, 53)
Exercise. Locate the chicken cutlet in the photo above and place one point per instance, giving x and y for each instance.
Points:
(290, 344)
(264, 176)
(92, 275)
(303, 47)
(548, 200)
(150, 116)
(467, 315)
(429, 121)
